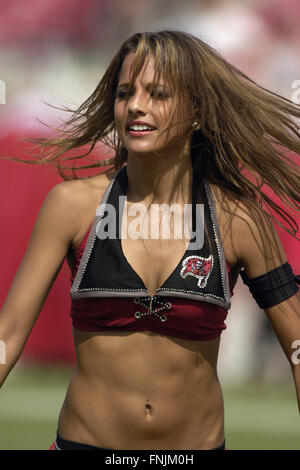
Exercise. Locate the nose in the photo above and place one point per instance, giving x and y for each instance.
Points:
(137, 103)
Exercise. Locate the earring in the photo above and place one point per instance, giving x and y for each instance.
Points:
(196, 126)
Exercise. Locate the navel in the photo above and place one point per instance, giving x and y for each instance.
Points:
(148, 409)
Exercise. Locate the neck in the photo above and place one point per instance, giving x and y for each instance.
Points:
(159, 179)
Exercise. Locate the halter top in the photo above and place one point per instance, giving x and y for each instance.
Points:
(107, 294)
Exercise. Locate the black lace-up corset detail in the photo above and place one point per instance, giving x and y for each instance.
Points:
(153, 305)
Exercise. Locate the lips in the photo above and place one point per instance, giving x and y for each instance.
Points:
(140, 126)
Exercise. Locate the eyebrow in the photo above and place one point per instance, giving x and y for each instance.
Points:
(125, 84)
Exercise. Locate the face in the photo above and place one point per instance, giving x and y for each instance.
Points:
(141, 117)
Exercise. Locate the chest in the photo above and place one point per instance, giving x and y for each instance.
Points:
(155, 259)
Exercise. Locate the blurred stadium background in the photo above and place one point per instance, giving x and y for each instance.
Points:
(56, 52)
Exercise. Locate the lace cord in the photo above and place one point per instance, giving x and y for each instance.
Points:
(151, 311)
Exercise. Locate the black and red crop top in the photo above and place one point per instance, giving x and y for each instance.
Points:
(107, 294)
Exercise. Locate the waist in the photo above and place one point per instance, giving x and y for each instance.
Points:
(142, 389)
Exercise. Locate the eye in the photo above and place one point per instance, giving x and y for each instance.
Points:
(122, 94)
(159, 94)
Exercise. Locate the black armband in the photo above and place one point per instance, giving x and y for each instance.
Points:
(273, 287)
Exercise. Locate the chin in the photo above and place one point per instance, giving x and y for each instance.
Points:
(142, 150)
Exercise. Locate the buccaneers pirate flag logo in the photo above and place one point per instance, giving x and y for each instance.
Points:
(198, 267)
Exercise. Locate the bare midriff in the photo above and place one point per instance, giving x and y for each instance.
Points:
(143, 390)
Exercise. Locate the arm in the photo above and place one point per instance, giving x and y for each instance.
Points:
(259, 250)
(54, 228)
(285, 321)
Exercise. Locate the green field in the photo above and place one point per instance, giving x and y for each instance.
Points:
(257, 416)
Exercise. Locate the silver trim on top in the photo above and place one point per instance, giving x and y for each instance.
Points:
(220, 248)
(162, 291)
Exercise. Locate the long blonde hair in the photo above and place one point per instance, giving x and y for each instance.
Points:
(244, 129)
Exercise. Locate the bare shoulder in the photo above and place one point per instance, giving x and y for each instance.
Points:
(248, 234)
(75, 194)
(80, 199)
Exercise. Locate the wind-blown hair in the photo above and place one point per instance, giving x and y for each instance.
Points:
(244, 130)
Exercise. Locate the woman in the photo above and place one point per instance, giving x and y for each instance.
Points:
(187, 128)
